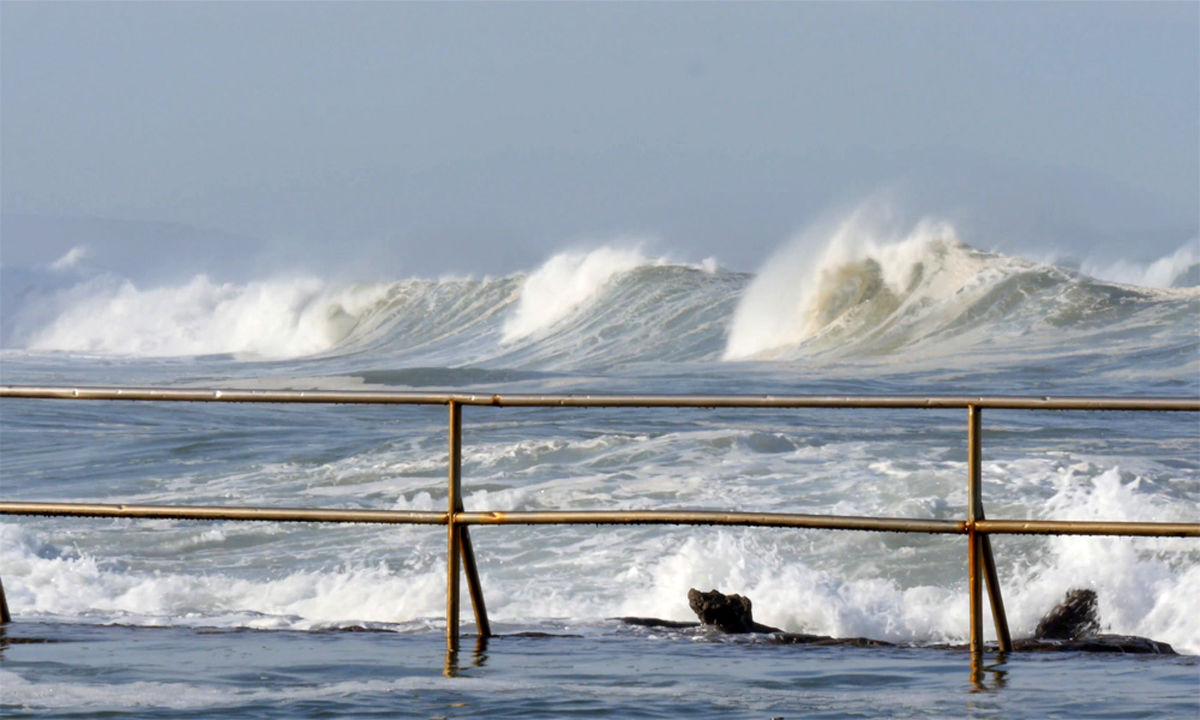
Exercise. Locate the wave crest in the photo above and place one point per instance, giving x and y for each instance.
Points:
(857, 288)
(1179, 269)
(564, 283)
(858, 279)
(861, 287)
(270, 319)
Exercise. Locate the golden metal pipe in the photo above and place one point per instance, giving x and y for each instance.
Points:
(974, 551)
(992, 581)
(549, 400)
(454, 539)
(1074, 527)
(601, 517)
(974, 593)
(975, 513)
(202, 512)
(474, 588)
(709, 517)
(466, 549)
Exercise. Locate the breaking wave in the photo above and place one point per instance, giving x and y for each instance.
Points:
(865, 288)
(564, 283)
(1179, 269)
(270, 319)
(856, 288)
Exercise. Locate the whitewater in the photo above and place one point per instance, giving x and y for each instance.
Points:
(848, 307)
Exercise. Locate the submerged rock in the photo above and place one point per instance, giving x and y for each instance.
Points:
(1130, 644)
(806, 639)
(657, 622)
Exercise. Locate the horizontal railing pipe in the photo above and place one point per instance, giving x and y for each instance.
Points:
(707, 517)
(211, 512)
(1090, 527)
(596, 401)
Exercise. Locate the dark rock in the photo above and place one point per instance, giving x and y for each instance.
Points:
(657, 622)
(1070, 627)
(729, 613)
(805, 639)
(6, 640)
(1074, 618)
(1130, 644)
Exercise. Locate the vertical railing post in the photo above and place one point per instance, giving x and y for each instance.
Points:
(459, 544)
(453, 538)
(974, 503)
(980, 545)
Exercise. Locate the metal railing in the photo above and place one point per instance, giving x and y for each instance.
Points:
(980, 562)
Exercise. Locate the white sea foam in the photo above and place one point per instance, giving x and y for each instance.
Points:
(564, 283)
(1179, 268)
(640, 326)
(64, 585)
(272, 319)
(789, 592)
(1145, 586)
(861, 287)
(894, 588)
(864, 286)
(860, 278)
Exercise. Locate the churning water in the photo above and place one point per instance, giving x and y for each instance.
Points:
(188, 619)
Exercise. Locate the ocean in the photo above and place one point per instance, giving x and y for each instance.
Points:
(171, 619)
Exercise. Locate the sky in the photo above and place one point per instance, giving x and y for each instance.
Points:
(408, 138)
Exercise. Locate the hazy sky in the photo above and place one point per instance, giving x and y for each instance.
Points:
(481, 137)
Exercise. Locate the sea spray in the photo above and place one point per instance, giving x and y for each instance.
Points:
(915, 311)
(564, 283)
(859, 281)
(1179, 269)
(270, 319)
(861, 287)
(900, 588)
(858, 309)
(855, 293)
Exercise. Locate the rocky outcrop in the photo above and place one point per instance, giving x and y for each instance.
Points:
(729, 613)
(1072, 626)
(733, 614)
(1073, 618)
(1129, 644)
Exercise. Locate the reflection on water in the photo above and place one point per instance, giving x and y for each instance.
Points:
(479, 657)
(982, 673)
